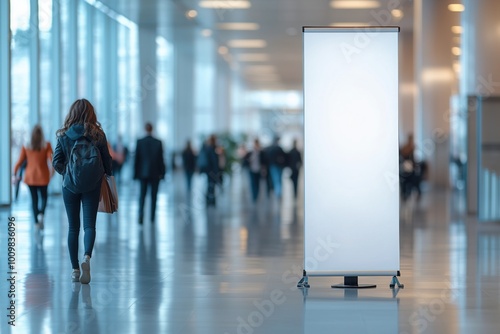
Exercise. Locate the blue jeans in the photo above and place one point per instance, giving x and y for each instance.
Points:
(276, 173)
(254, 184)
(89, 201)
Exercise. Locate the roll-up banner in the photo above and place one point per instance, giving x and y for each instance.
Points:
(351, 162)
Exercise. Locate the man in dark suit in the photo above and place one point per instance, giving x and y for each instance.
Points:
(149, 169)
(208, 163)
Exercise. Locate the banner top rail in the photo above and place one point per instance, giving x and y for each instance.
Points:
(351, 29)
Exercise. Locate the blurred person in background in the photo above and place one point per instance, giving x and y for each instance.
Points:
(267, 174)
(208, 163)
(276, 159)
(120, 155)
(189, 164)
(222, 160)
(255, 162)
(294, 162)
(37, 156)
(411, 171)
(149, 169)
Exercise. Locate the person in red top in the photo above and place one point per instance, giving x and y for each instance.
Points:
(38, 155)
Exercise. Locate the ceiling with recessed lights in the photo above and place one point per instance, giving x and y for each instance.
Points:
(263, 37)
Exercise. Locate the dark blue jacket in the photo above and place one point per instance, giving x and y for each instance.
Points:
(275, 155)
(210, 160)
(63, 149)
(189, 161)
(148, 162)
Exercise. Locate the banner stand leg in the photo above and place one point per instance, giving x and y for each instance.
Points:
(395, 282)
(304, 281)
(351, 282)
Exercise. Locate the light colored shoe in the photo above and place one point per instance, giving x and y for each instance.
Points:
(75, 275)
(40, 221)
(85, 278)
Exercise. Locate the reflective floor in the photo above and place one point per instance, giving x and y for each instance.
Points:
(234, 269)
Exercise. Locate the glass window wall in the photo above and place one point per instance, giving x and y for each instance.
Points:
(20, 74)
(164, 86)
(46, 73)
(5, 105)
(66, 49)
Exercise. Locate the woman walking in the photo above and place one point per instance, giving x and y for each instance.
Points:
(81, 157)
(37, 176)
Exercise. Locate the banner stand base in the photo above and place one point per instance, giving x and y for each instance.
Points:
(395, 282)
(351, 282)
(304, 281)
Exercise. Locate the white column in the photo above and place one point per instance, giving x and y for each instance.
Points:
(406, 85)
(223, 114)
(480, 76)
(55, 73)
(5, 104)
(480, 50)
(205, 86)
(148, 75)
(108, 73)
(184, 87)
(112, 51)
(72, 54)
(56, 67)
(90, 22)
(436, 83)
(34, 65)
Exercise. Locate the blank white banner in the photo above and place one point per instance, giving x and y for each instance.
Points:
(351, 164)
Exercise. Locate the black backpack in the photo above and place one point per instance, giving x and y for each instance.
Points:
(84, 169)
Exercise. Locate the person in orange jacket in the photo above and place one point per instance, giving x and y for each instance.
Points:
(38, 155)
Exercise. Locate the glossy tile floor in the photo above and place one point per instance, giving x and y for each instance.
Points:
(234, 269)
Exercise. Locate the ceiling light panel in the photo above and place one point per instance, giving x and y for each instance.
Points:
(397, 13)
(263, 79)
(225, 4)
(253, 57)
(354, 4)
(247, 43)
(349, 24)
(251, 75)
(260, 68)
(238, 26)
(456, 7)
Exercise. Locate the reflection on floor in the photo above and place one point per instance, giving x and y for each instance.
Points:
(233, 269)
